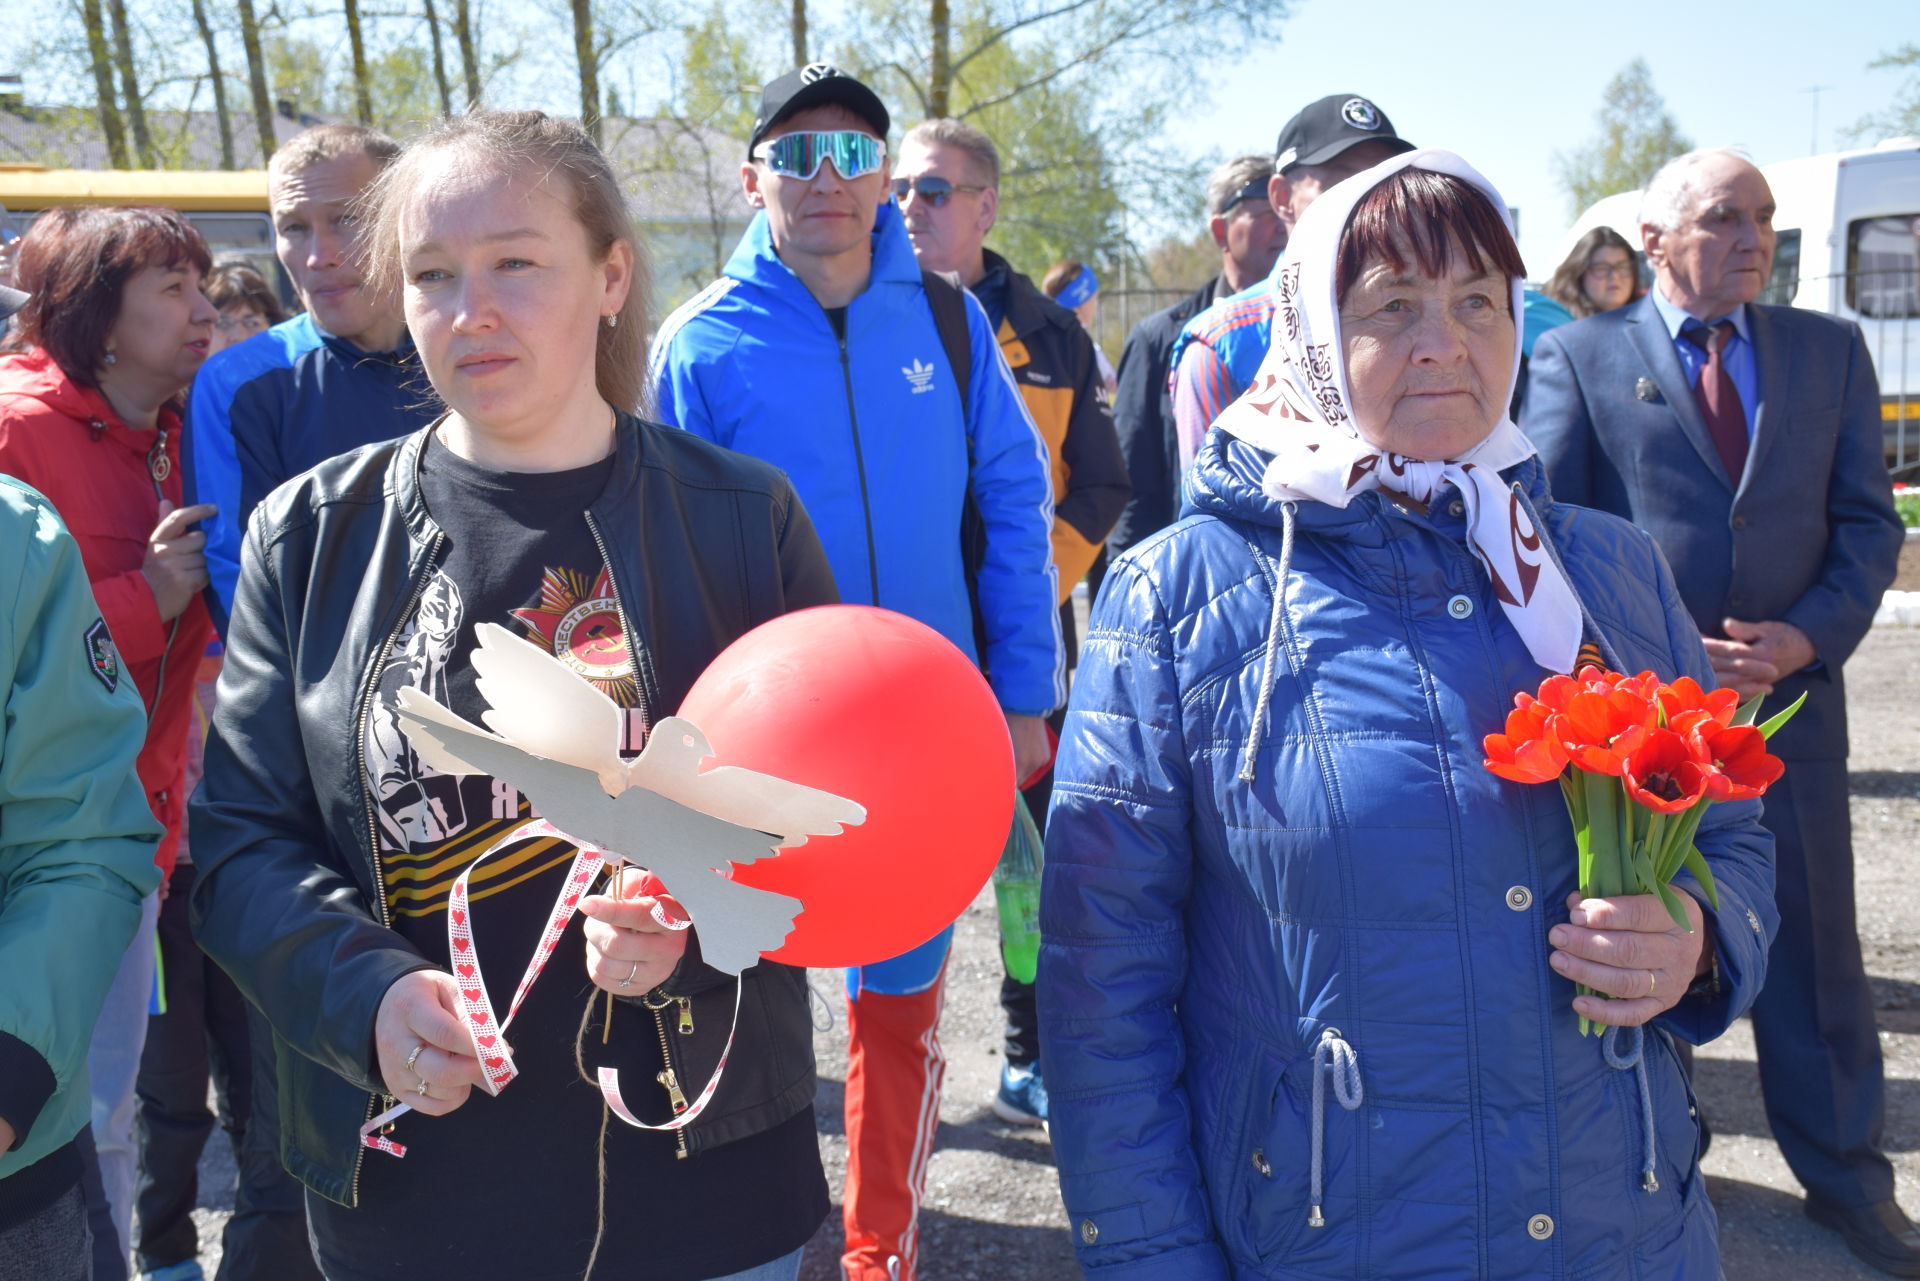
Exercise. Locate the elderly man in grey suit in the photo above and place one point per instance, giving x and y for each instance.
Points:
(1746, 439)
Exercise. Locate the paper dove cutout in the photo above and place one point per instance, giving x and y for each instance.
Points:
(556, 738)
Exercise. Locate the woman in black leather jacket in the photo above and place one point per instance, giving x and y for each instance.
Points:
(327, 849)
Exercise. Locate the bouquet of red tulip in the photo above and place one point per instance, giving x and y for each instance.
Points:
(1638, 761)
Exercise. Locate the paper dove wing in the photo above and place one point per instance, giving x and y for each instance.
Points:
(535, 701)
(670, 765)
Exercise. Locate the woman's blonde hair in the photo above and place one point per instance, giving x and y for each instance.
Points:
(513, 141)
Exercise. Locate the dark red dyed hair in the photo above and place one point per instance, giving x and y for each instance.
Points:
(76, 262)
(1425, 214)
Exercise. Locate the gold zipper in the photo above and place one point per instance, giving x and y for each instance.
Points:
(686, 1015)
(372, 676)
(666, 1077)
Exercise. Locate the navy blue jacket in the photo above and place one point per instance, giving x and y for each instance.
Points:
(1143, 419)
(1202, 931)
(1807, 534)
(267, 409)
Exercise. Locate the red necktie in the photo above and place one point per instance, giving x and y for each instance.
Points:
(1718, 398)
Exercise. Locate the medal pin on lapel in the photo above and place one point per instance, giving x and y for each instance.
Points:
(1643, 389)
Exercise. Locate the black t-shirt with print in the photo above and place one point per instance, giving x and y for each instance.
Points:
(506, 1186)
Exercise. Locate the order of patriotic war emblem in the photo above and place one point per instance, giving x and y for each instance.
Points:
(580, 623)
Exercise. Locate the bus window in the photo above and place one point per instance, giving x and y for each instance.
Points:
(1883, 266)
(1784, 283)
(248, 237)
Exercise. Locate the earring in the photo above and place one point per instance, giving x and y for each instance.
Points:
(613, 322)
(109, 359)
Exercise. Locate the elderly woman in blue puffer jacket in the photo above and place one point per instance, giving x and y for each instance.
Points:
(1307, 985)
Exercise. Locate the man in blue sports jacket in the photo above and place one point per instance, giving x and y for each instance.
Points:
(818, 350)
(1746, 439)
(340, 375)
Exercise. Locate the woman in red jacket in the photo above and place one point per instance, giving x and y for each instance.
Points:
(89, 415)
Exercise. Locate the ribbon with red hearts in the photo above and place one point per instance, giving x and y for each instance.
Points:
(482, 1029)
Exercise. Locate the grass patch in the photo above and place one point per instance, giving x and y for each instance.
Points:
(1907, 503)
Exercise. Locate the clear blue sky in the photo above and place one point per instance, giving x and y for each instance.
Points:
(1506, 83)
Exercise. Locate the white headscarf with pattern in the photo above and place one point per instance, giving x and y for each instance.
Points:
(1298, 410)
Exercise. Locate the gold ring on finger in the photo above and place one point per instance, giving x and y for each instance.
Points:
(413, 1055)
(423, 1088)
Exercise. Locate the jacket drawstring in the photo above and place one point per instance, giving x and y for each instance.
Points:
(1332, 1056)
(1273, 639)
(1635, 1059)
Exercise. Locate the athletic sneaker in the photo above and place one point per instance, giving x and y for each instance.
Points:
(1022, 1099)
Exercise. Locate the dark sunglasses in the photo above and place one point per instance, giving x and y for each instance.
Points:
(935, 191)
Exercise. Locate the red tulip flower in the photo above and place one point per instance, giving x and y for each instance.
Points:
(1526, 753)
(1664, 775)
(1735, 759)
(1685, 698)
(1599, 731)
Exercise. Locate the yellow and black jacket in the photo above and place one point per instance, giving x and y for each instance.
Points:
(1053, 365)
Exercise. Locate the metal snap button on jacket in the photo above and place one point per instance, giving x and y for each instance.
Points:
(1460, 607)
(1088, 1232)
(1519, 898)
(1540, 1227)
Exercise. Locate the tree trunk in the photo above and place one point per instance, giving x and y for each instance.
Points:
(219, 83)
(362, 99)
(439, 61)
(469, 61)
(585, 55)
(110, 124)
(130, 82)
(799, 33)
(941, 72)
(257, 80)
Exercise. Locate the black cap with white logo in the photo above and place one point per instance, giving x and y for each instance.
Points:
(1328, 127)
(817, 85)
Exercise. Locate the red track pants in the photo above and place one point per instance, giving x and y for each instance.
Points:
(894, 1071)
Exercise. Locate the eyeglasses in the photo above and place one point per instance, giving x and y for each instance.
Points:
(800, 155)
(934, 190)
(1608, 270)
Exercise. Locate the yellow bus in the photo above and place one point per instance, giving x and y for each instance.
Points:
(229, 208)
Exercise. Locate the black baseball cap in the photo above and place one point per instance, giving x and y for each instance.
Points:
(11, 300)
(1324, 129)
(817, 85)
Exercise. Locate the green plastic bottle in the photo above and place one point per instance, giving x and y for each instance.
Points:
(1016, 890)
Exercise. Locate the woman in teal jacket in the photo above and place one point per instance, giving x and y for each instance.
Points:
(1307, 985)
(76, 859)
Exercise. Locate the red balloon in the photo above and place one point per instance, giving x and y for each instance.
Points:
(873, 706)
